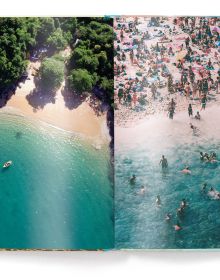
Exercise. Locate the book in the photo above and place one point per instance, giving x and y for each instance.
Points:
(109, 133)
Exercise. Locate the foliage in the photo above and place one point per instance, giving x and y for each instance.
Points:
(56, 40)
(51, 73)
(94, 52)
(14, 40)
(91, 60)
(81, 80)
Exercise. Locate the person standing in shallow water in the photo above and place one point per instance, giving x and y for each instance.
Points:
(203, 102)
(190, 110)
(164, 162)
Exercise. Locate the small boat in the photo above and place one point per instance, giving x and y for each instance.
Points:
(7, 164)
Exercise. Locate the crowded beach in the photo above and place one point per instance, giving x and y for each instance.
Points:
(165, 65)
(168, 67)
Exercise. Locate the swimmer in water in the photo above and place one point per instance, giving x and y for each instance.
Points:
(202, 156)
(168, 217)
(206, 156)
(158, 201)
(179, 211)
(177, 226)
(132, 180)
(142, 190)
(214, 156)
(164, 162)
(186, 170)
(183, 204)
(204, 187)
(214, 194)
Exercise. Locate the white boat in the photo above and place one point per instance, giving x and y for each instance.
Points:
(7, 164)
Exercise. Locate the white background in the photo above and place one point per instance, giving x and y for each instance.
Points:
(109, 265)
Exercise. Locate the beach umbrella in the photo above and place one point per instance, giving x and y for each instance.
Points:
(180, 55)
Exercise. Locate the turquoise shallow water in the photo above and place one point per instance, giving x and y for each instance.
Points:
(140, 223)
(58, 194)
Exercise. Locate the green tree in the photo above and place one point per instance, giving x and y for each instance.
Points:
(108, 86)
(51, 73)
(47, 27)
(81, 80)
(56, 40)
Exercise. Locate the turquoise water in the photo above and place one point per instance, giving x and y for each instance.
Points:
(58, 193)
(140, 223)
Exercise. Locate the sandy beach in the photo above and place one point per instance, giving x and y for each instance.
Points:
(80, 118)
(136, 71)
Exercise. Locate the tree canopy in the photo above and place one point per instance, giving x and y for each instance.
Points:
(90, 39)
(51, 73)
(94, 52)
(81, 80)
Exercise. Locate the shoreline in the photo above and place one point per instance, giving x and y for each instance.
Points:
(80, 117)
(136, 118)
(158, 130)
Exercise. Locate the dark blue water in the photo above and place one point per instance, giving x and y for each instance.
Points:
(58, 193)
(140, 223)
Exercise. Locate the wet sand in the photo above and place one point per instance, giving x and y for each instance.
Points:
(161, 131)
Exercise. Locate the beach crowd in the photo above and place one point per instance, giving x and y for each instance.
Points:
(165, 65)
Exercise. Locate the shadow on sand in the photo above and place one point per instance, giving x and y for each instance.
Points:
(38, 99)
(39, 96)
(6, 95)
(72, 99)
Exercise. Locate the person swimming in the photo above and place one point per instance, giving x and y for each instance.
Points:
(164, 162)
(213, 193)
(186, 170)
(158, 200)
(183, 203)
(213, 155)
(177, 226)
(202, 156)
(206, 156)
(142, 190)
(168, 217)
(204, 187)
(133, 180)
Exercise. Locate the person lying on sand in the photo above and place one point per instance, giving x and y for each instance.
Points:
(186, 170)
